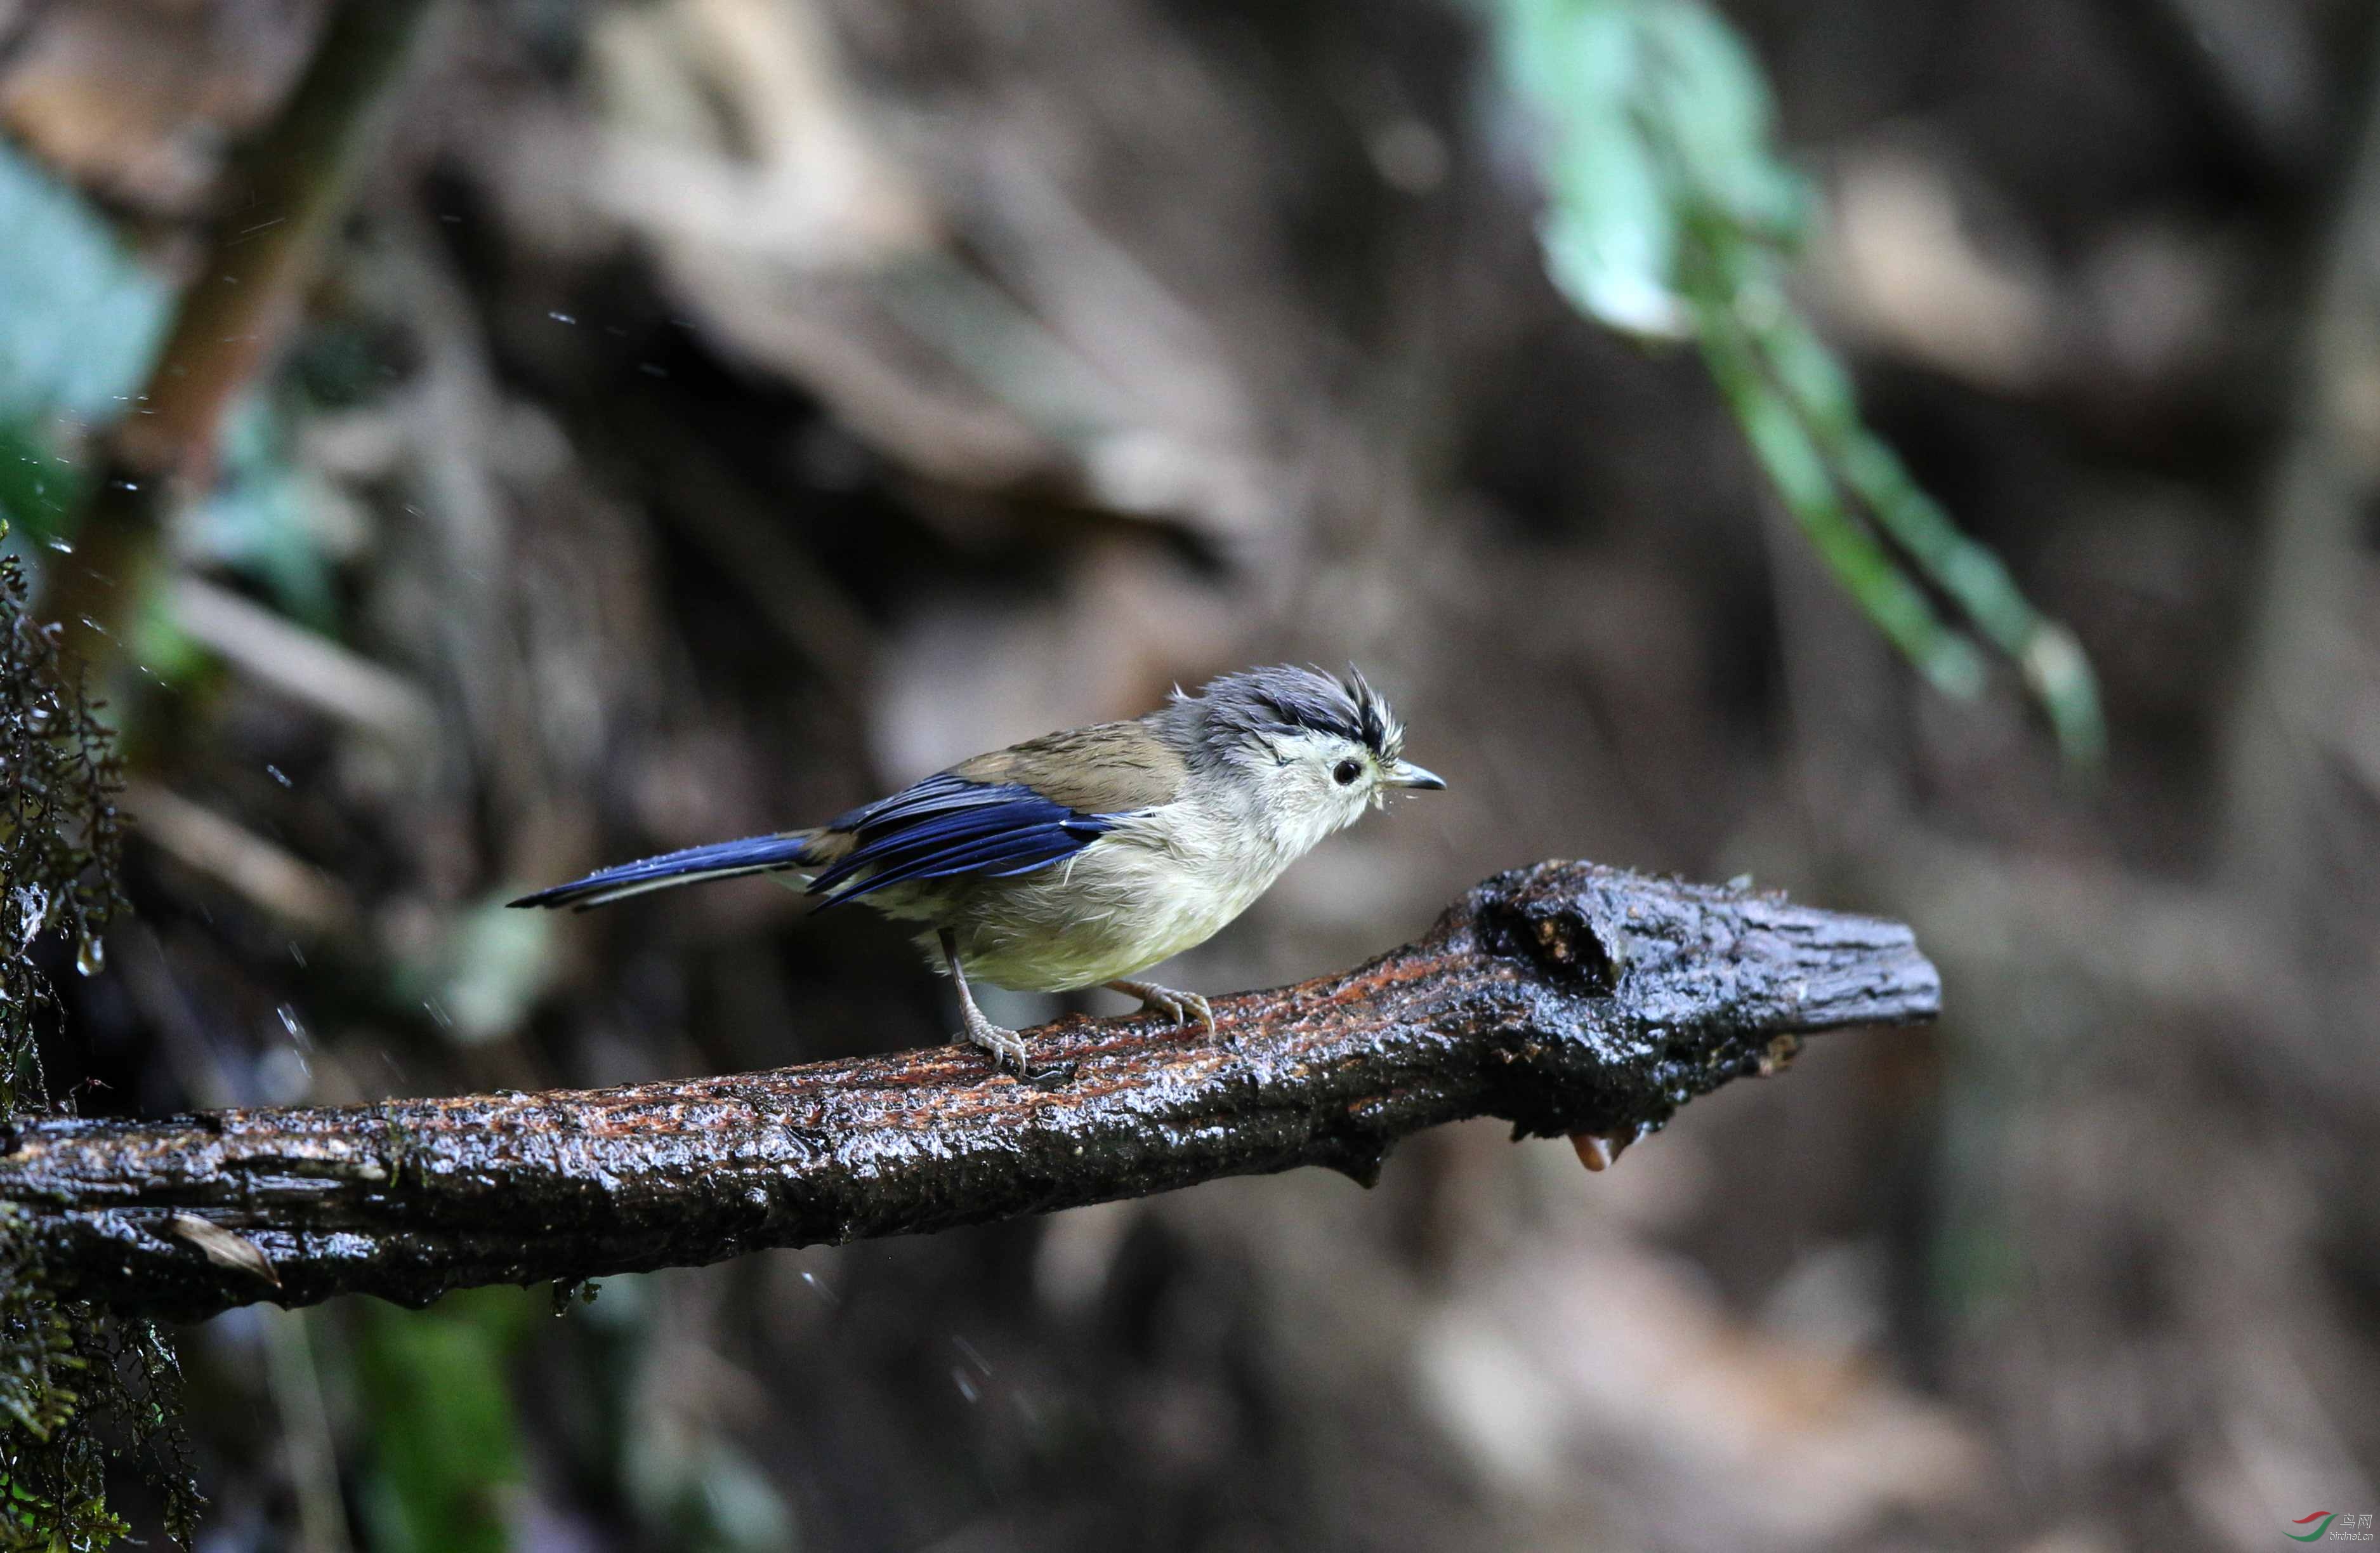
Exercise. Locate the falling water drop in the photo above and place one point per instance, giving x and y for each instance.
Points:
(971, 1354)
(91, 955)
(278, 775)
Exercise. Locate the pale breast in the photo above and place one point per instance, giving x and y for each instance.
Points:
(1142, 894)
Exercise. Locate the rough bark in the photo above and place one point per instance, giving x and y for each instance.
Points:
(1566, 998)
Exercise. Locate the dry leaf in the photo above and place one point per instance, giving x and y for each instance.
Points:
(225, 1249)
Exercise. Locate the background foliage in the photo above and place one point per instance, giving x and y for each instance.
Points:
(712, 412)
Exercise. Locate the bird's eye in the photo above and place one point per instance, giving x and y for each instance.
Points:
(1345, 772)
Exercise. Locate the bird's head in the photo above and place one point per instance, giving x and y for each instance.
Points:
(1306, 752)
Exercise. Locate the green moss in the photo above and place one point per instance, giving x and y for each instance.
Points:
(79, 1389)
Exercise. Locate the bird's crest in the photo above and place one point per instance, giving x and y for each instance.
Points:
(1258, 700)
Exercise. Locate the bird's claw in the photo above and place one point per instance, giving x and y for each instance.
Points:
(1181, 1008)
(1005, 1045)
(1184, 1007)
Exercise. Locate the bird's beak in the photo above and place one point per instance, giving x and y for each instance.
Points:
(1405, 773)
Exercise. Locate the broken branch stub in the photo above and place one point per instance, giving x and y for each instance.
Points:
(1566, 998)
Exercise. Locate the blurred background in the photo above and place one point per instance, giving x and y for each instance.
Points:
(499, 438)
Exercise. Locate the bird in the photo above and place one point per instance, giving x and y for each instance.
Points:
(1081, 858)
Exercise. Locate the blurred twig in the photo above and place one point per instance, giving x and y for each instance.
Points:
(295, 180)
(305, 1431)
(1566, 998)
(294, 891)
(2294, 708)
(304, 664)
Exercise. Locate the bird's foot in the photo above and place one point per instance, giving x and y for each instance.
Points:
(1006, 1047)
(1182, 1007)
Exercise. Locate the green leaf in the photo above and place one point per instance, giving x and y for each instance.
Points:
(1610, 228)
(1705, 102)
(445, 1438)
(80, 324)
(38, 489)
(1668, 214)
(79, 320)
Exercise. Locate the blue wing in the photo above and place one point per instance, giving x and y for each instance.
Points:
(948, 825)
(944, 826)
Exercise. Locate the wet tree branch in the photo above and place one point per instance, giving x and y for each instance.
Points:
(1566, 998)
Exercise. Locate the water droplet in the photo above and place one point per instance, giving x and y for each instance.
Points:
(821, 1289)
(295, 1027)
(91, 956)
(32, 912)
(63, 547)
(965, 1383)
(297, 954)
(561, 318)
(278, 775)
(438, 1014)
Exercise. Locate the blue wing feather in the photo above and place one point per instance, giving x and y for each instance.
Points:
(947, 826)
(944, 826)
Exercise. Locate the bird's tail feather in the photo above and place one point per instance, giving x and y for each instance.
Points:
(721, 860)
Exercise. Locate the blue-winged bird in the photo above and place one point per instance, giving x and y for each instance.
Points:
(1080, 858)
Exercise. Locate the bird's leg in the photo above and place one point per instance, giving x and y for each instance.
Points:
(1184, 1006)
(1006, 1047)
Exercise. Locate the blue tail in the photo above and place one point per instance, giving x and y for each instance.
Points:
(721, 860)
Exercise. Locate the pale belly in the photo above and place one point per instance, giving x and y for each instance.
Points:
(1114, 909)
